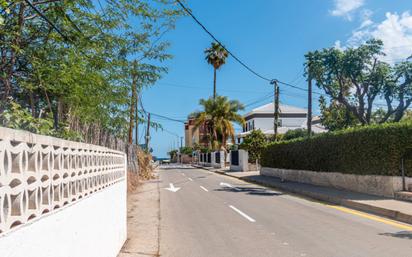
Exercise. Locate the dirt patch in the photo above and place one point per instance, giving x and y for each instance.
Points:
(133, 182)
(143, 221)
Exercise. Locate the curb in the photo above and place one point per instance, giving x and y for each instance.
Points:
(388, 213)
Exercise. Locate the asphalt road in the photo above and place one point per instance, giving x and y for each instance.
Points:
(215, 215)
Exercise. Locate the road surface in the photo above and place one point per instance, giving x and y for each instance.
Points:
(206, 214)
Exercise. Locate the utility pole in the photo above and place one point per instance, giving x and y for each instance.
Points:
(309, 106)
(133, 102)
(148, 132)
(136, 132)
(275, 108)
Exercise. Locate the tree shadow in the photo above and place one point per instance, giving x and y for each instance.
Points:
(250, 191)
(400, 234)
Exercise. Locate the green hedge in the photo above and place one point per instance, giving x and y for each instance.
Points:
(365, 150)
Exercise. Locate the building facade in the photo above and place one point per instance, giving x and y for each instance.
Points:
(290, 118)
(196, 136)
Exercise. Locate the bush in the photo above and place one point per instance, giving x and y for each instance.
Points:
(295, 133)
(187, 150)
(254, 144)
(373, 150)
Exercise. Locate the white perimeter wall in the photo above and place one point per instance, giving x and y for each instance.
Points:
(91, 227)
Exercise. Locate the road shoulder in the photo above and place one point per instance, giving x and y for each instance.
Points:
(143, 221)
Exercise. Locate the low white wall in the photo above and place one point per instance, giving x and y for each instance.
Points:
(60, 198)
(92, 227)
(369, 184)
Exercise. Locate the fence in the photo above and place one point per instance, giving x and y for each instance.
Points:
(40, 175)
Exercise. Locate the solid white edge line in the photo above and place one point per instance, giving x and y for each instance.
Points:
(204, 188)
(242, 213)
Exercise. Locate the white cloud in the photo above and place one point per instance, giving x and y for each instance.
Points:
(395, 32)
(345, 8)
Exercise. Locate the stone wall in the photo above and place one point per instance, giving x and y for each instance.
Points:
(45, 179)
(369, 184)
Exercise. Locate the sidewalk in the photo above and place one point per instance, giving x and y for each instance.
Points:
(387, 207)
(143, 221)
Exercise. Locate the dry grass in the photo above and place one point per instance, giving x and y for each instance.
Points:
(145, 171)
(145, 167)
(133, 181)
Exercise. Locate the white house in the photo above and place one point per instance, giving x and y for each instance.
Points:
(290, 117)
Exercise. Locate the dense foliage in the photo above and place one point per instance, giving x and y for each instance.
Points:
(355, 79)
(217, 116)
(186, 150)
(375, 149)
(173, 153)
(254, 143)
(79, 82)
(295, 133)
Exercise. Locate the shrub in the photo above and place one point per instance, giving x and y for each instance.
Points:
(254, 144)
(295, 133)
(375, 149)
(186, 150)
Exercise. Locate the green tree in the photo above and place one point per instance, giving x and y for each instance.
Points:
(216, 56)
(254, 143)
(335, 116)
(356, 77)
(173, 154)
(218, 116)
(83, 79)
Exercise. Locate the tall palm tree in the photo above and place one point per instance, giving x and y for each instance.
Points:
(216, 56)
(218, 116)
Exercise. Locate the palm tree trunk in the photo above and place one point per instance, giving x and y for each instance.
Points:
(214, 83)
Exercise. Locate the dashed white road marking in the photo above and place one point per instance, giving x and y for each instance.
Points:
(190, 179)
(183, 174)
(242, 213)
(204, 188)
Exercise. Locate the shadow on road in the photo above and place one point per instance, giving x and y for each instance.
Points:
(250, 191)
(401, 234)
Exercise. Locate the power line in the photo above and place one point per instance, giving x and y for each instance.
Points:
(167, 118)
(203, 88)
(215, 39)
(267, 96)
(230, 53)
(47, 20)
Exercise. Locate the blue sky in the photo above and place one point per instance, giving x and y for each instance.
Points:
(271, 37)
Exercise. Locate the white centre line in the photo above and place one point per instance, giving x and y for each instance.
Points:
(204, 188)
(242, 213)
(190, 179)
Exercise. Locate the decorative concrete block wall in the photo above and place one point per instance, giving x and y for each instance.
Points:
(45, 180)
